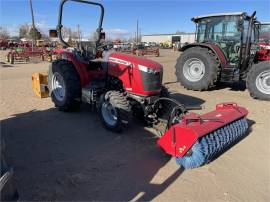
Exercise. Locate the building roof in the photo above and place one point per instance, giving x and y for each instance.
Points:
(196, 18)
(265, 23)
(167, 34)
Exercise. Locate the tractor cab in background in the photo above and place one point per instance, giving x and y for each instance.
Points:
(225, 51)
(231, 32)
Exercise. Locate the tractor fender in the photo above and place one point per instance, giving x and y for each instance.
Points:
(216, 49)
(80, 67)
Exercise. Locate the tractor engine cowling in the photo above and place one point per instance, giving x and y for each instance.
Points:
(139, 75)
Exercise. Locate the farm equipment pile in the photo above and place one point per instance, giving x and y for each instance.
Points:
(119, 85)
(25, 52)
(141, 50)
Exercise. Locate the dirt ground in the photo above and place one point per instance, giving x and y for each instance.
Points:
(70, 156)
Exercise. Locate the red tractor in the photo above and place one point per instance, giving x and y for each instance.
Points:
(264, 41)
(224, 51)
(119, 84)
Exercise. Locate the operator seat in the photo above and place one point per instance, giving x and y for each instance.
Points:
(87, 49)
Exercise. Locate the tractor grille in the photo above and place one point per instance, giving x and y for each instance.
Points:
(151, 81)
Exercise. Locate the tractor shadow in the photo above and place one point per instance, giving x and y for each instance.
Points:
(187, 100)
(237, 86)
(70, 156)
(3, 64)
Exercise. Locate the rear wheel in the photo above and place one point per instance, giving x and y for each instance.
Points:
(11, 59)
(64, 85)
(197, 69)
(258, 81)
(7, 58)
(114, 111)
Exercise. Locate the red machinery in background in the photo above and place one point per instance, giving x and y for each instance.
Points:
(25, 51)
(3, 44)
(264, 41)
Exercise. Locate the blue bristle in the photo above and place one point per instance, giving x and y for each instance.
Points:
(196, 159)
(211, 145)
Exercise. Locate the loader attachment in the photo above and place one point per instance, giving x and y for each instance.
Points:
(40, 84)
(199, 138)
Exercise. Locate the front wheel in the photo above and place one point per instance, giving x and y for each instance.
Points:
(258, 81)
(114, 111)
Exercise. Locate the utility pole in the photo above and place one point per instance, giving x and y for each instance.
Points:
(78, 33)
(33, 25)
(137, 36)
(140, 34)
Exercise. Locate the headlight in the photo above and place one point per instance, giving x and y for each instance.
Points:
(146, 69)
(265, 47)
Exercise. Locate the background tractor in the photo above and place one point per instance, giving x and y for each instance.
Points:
(119, 85)
(225, 51)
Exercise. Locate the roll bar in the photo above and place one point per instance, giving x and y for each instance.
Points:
(59, 26)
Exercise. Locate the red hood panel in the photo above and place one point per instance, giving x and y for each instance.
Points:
(124, 58)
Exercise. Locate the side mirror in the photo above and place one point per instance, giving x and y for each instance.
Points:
(102, 35)
(53, 33)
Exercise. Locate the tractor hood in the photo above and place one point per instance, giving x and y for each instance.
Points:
(139, 76)
(136, 62)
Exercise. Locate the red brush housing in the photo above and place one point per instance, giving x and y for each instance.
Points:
(180, 137)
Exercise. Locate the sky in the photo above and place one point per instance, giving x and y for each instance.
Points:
(154, 16)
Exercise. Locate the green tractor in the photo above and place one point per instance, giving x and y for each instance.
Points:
(225, 51)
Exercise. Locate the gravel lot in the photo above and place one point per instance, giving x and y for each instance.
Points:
(70, 156)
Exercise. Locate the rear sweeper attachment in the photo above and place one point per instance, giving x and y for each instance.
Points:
(119, 85)
(196, 139)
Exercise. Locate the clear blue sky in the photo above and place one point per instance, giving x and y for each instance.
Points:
(120, 16)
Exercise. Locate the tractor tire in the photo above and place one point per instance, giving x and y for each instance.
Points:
(258, 81)
(8, 190)
(11, 59)
(114, 111)
(7, 58)
(64, 85)
(197, 69)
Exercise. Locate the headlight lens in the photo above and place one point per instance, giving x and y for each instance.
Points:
(146, 69)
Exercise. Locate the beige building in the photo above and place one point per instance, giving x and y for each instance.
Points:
(169, 38)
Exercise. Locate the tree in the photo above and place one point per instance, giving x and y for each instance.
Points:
(34, 33)
(4, 34)
(180, 32)
(24, 31)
